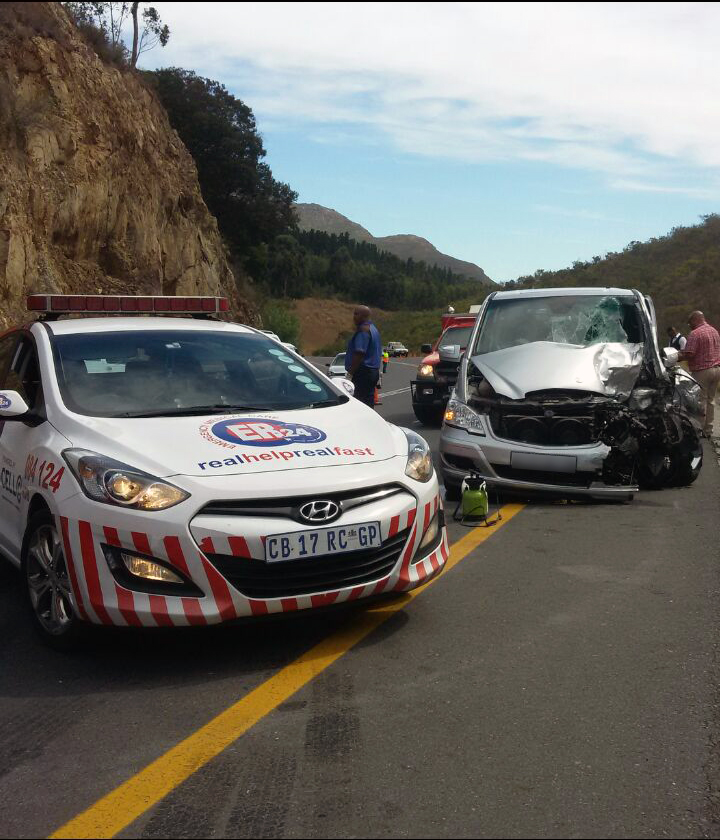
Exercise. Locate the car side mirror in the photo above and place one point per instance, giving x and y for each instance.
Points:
(348, 386)
(450, 352)
(426, 348)
(670, 356)
(327, 364)
(12, 405)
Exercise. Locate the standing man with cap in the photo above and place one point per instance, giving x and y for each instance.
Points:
(362, 359)
(702, 353)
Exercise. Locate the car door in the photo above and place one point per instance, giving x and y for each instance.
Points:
(8, 511)
(19, 439)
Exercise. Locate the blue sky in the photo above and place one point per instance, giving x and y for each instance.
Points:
(517, 136)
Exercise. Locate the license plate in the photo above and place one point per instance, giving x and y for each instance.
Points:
(322, 541)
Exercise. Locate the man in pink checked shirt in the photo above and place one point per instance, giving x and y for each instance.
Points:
(702, 353)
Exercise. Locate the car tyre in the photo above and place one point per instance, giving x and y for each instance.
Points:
(688, 450)
(47, 584)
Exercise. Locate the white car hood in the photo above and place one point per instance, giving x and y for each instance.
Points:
(609, 368)
(246, 443)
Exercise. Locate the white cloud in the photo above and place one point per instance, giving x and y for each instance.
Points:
(629, 90)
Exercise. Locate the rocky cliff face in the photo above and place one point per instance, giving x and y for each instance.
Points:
(97, 193)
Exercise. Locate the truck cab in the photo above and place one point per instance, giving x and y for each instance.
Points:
(437, 373)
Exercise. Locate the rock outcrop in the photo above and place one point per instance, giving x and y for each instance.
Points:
(97, 192)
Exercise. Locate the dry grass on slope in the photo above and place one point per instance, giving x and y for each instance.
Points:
(322, 320)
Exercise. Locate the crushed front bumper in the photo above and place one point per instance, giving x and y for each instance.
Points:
(569, 471)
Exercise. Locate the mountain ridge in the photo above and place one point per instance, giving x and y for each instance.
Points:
(403, 245)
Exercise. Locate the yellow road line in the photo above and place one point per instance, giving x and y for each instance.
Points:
(130, 800)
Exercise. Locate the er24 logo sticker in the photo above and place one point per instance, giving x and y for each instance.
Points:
(256, 431)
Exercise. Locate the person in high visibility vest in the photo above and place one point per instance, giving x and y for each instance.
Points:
(386, 359)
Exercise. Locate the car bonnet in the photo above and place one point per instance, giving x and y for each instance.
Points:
(256, 442)
(609, 368)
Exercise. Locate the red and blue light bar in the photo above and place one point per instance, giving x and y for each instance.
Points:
(127, 304)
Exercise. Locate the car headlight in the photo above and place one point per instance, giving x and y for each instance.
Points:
(461, 415)
(419, 463)
(426, 371)
(114, 483)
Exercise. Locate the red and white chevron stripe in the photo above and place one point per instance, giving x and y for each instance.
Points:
(102, 600)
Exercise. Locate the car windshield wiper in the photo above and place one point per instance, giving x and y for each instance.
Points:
(189, 410)
(326, 403)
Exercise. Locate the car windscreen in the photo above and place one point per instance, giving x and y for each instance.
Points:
(338, 361)
(163, 373)
(580, 320)
(455, 335)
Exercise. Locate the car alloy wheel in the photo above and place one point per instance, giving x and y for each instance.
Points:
(48, 583)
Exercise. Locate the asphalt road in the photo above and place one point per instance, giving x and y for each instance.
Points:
(561, 680)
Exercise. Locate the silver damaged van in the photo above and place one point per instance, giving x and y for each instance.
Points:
(566, 391)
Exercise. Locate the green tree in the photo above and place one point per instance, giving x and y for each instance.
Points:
(153, 32)
(219, 130)
(110, 19)
(279, 318)
(286, 268)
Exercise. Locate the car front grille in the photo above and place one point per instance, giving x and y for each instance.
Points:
(447, 372)
(544, 429)
(288, 507)
(290, 578)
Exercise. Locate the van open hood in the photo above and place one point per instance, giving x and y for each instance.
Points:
(610, 368)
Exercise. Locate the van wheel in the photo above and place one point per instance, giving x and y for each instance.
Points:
(688, 451)
(47, 583)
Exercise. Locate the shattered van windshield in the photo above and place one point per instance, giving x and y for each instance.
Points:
(580, 320)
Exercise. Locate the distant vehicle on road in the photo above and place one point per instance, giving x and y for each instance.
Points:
(397, 348)
(337, 366)
(566, 391)
(435, 377)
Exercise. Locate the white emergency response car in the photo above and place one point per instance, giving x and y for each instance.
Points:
(185, 471)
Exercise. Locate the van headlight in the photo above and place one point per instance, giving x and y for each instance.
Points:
(104, 480)
(463, 417)
(419, 463)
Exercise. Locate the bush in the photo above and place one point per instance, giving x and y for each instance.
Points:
(279, 318)
(114, 54)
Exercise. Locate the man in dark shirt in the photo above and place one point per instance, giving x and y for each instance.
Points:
(362, 359)
(677, 339)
